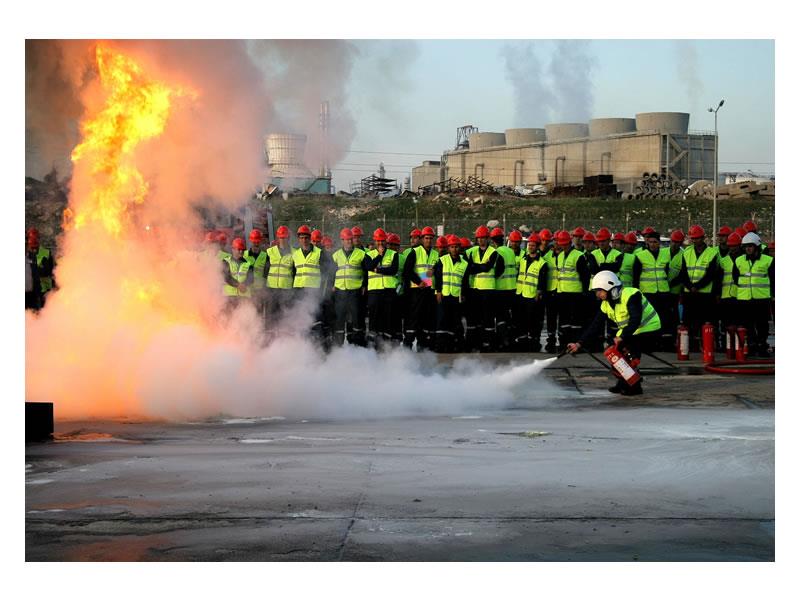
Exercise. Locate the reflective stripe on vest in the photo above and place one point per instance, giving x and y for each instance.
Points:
(280, 269)
(530, 283)
(46, 283)
(697, 266)
(349, 271)
(258, 263)
(620, 315)
(626, 270)
(307, 272)
(728, 287)
(753, 278)
(654, 275)
(483, 281)
(239, 273)
(567, 277)
(452, 275)
(425, 262)
(508, 280)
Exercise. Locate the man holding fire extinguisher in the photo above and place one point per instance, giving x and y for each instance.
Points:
(637, 324)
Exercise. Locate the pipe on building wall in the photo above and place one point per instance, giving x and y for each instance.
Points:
(602, 168)
(560, 158)
(481, 165)
(521, 164)
(543, 173)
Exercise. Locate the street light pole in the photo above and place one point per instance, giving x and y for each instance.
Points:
(716, 169)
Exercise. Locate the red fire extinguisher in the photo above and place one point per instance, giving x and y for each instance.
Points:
(683, 342)
(622, 365)
(741, 348)
(731, 342)
(708, 343)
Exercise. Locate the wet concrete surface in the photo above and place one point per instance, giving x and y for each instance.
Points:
(682, 473)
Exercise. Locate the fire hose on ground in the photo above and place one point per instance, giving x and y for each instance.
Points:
(750, 367)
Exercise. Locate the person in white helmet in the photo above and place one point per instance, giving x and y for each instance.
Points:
(636, 321)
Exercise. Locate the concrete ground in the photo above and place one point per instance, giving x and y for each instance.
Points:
(684, 473)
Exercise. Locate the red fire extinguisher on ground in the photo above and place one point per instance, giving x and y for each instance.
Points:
(708, 343)
(625, 367)
(731, 342)
(683, 342)
(741, 347)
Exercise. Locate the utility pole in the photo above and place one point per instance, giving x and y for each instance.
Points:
(716, 168)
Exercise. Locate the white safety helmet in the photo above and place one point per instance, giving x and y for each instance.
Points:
(751, 238)
(605, 280)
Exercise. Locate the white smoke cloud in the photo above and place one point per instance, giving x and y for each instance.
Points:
(563, 91)
(688, 70)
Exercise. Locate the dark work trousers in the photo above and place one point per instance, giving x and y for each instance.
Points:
(504, 302)
(633, 348)
(421, 318)
(379, 312)
(448, 325)
(551, 309)
(485, 310)
(755, 315)
(531, 330)
(698, 309)
(361, 325)
(570, 308)
(398, 316)
(347, 304)
(519, 316)
(729, 316)
(662, 303)
(469, 308)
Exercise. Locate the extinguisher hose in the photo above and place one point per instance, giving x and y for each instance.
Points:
(733, 367)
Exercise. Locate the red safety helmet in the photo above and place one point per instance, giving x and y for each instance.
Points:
(630, 238)
(677, 236)
(222, 237)
(515, 236)
(563, 238)
(327, 242)
(725, 230)
(482, 232)
(740, 231)
(379, 235)
(695, 231)
(255, 236)
(603, 234)
(393, 238)
(238, 244)
(452, 240)
(357, 231)
(545, 235)
(415, 233)
(497, 232)
(749, 227)
(465, 243)
(211, 237)
(32, 232)
(346, 234)
(441, 242)
(428, 231)
(578, 231)
(618, 237)
(283, 232)
(588, 237)
(771, 245)
(316, 236)
(534, 237)
(734, 239)
(648, 230)
(303, 230)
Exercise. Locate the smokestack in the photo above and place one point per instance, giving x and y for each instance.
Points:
(324, 122)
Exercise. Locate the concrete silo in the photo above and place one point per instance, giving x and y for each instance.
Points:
(665, 122)
(486, 139)
(612, 126)
(566, 131)
(527, 135)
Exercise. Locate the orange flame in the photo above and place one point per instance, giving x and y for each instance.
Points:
(136, 109)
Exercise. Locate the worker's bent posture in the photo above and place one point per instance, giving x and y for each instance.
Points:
(636, 321)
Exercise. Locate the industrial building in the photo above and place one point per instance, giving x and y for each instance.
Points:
(564, 154)
(285, 153)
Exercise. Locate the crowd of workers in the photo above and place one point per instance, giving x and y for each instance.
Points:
(452, 295)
